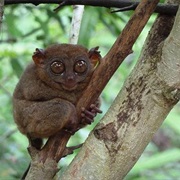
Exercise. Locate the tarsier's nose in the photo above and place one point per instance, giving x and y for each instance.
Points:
(70, 78)
(70, 83)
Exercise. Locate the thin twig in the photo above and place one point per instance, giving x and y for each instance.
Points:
(127, 8)
(169, 9)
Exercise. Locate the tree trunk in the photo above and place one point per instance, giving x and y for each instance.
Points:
(148, 95)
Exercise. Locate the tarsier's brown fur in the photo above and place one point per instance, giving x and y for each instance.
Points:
(44, 102)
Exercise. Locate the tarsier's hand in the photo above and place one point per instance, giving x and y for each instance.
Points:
(89, 115)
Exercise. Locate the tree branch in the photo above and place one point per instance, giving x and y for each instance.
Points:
(147, 97)
(119, 51)
(55, 147)
(169, 9)
(78, 11)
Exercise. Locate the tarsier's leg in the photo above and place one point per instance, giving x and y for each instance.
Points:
(44, 118)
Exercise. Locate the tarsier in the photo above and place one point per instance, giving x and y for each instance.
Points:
(45, 98)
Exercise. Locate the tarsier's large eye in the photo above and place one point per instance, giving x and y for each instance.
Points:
(80, 66)
(57, 67)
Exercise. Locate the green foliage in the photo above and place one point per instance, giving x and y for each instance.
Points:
(165, 164)
(27, 27)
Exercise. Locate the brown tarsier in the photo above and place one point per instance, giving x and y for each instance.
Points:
(45, 98)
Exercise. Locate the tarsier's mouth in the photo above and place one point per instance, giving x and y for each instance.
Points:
(69, 86)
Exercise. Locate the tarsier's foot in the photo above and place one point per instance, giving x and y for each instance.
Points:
(70, 150)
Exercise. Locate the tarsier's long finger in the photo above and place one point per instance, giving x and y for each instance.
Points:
(95, 108)
(87, 120)
(87, 113)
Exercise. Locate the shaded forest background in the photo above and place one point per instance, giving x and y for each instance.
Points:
(26, 27)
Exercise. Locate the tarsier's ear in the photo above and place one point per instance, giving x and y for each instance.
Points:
(94, 56)
(38, 57)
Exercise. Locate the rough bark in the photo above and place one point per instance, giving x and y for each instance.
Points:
(148, 95)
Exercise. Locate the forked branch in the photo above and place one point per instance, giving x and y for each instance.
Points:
(119, 51)
(55, 147)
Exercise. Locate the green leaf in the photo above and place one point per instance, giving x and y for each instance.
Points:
(157, 161)
(17, 67)
(12, 27)
(89, 23)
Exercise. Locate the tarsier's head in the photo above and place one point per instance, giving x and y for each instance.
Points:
(66, 65)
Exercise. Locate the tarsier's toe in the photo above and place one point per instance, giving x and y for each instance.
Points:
(95, 109)
(89, 115)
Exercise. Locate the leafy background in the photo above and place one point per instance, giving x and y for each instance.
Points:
(26, 27)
